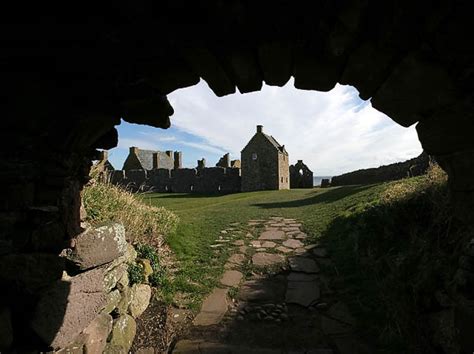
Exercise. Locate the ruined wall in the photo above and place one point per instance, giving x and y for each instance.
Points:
(283, 172)
(300, 176)
(184, 180)
(399, 170)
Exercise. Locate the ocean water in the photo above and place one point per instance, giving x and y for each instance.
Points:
(317, 180)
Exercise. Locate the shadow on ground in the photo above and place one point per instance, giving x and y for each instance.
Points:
(329, 196)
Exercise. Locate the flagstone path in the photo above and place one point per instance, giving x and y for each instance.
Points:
(274, 297)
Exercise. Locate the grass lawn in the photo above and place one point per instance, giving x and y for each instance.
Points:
(202, 217)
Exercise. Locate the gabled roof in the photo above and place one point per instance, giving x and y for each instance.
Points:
(269, 138)
(275, 143)
(146, 158)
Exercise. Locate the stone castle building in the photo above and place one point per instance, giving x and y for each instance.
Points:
(264, 164)
(300, 176)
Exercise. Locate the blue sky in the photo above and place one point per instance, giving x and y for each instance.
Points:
(333, 132)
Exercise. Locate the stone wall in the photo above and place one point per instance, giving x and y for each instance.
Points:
(399, 170)
(207, 180)
(301, 176)
(283, 171)
(259, 171)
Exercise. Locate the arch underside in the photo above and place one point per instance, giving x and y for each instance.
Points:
(67, 79)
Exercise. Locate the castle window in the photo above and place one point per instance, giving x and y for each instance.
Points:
(219, 188)
(254, 156)
(286, 179)
(191, 187)
(300, 172)
(166, 188)
(282, 180)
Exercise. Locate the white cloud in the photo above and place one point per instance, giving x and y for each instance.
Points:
(332, 132)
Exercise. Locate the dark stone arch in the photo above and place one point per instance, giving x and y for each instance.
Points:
(68, 77)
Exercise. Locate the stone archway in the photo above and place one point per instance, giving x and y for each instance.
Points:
(68, 78)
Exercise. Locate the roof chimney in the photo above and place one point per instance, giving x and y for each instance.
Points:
(259, 128)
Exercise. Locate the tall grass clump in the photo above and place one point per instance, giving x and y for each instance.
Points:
(397, 253)
(144, 223)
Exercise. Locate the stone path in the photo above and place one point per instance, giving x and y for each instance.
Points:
(274, 297)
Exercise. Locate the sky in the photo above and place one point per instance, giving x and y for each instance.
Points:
(332, 132)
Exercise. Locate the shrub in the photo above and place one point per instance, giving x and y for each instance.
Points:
(136, 273)
(106, 202)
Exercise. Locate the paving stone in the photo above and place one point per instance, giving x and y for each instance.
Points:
(295, 276)
(288, 228)
(237, 258)
(223, 232)
(264, 259)
(295, 225)
(293, 244)
(301, 236)
(303, 293)
(264, 289)
(243, 249)
(261, 249)
(284, 249)
(320, 252)
(248, 235)
(238, 243)
(301, 250)
(303, 264)
(272, 235)
(256, 244)
(311, 246)
(213, 308)
(231, 278)
(268, 244)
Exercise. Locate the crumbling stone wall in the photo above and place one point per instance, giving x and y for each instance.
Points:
(300, 176)
(208, 180)
(399, 170)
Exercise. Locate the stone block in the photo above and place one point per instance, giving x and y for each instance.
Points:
(123, 332)
(96, 333)
(140, 299)
(67, 308)
(99, 245)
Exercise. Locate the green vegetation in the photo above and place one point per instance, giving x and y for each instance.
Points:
(391, 244)
(136, 273)
(202, 218)
(106, 202)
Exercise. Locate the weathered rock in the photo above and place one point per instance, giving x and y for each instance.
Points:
(213, 308)
(283, 249)
(231, 278)
(68, 307)
(263, 259)
(99, 245)
(113, 299)
(340, 311)
(293, 244)
(238, 243)
(320, 252)
(140, 299)
(302, 290)
(237, 258)
(263, 290)
(272, 235)
(243, 249)
(123, 332)
(268, 244)
(125, 300)
(97, 332)
(147, 269)
(256, 244)
(303, 264)
(114, 349)
(6, 332)
(113, 276)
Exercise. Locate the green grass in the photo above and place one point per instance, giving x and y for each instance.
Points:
(203, 217)
(394, 245)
